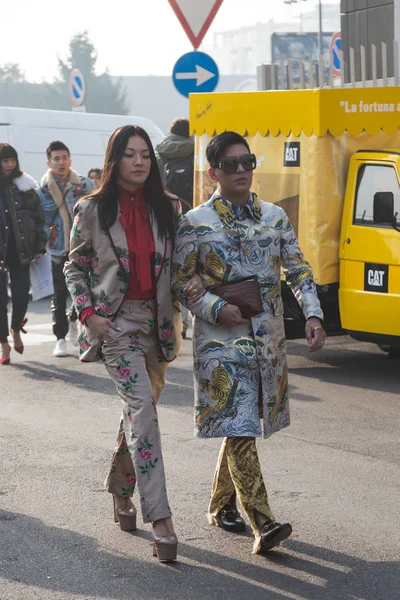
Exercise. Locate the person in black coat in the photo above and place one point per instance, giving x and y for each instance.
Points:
(22, 239)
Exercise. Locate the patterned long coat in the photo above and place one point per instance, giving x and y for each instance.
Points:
(241, 373)
(97, 274)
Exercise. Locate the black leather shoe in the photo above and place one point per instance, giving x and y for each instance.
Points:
(272, 534)
(229, 519)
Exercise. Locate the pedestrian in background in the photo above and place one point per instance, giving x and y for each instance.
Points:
(241, 379)
(60, 189)
(118, 274)
(95, 176)
(22, 239)
(175, 157)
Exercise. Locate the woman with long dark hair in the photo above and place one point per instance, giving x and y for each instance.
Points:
(118, 274)
(22, 239)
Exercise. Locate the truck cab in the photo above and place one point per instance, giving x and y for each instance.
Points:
(369, 283)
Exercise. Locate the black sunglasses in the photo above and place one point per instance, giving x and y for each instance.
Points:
(230, 164)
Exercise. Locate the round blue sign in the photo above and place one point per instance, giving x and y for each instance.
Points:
(195, 72)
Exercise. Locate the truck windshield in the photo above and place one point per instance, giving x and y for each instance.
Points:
(372, 179)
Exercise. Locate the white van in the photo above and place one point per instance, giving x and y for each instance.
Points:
(30, 131)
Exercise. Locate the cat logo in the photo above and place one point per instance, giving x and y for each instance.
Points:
(292, 154)
(376, 278)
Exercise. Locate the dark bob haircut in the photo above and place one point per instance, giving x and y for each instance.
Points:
(8, 151)
(56, 146)
(216, 148)
(158, 201)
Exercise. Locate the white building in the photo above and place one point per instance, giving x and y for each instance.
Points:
(240, 51)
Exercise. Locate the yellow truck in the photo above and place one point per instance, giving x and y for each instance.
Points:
(331, 159)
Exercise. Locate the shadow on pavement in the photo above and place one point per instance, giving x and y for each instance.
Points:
(294, 394)
(60, 560)
(362, 369)
(39, 372)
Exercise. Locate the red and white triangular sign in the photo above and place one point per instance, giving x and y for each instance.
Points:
(195, 17)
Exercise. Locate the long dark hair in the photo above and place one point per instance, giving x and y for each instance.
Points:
(157, 200)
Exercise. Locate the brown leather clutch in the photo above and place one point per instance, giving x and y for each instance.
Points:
(245, 293)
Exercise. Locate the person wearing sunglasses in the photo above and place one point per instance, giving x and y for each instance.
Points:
(240, 369)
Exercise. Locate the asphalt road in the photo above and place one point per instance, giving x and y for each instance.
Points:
(334, 474)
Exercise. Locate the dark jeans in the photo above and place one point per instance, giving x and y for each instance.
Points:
(59, 301)
(19, 284)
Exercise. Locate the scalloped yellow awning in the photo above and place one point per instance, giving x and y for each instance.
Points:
(311, 112)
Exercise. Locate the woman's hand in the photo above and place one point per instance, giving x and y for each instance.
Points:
(194, 288)
(315, 334)
(100, 326)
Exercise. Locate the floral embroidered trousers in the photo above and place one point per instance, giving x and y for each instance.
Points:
(238, 473)
(133, 360)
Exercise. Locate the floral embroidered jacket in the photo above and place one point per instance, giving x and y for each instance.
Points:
(241, 373)
(97, 275)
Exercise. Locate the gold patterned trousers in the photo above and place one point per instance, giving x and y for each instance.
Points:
(238, 471)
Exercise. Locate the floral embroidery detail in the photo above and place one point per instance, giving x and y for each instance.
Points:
(103, 304)
(125, 373)
(134, 344)
(94, 279)
(123, 256)
(122, 278)
(144, 450)
(83, 343)
(75, 231)
(83, 261)
(125, 262)
(145, 454)
(166, 331)
(158, 260)
(166, 266)
(81, 296)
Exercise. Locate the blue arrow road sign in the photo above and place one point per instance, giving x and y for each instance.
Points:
(195, 72)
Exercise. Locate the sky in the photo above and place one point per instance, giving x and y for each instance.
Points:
(132, 37)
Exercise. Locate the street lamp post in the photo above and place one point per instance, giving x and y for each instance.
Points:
(319, 21)
(320, 27)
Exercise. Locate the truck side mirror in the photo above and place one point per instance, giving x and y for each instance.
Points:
(384, 208)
